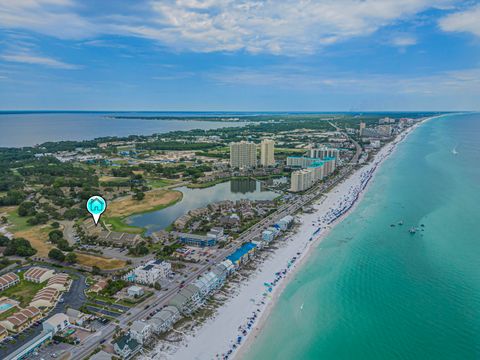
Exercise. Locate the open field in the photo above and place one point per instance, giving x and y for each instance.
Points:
(154, 200)
(38, 237)
(113, 179)
(100, 262)
(18, 223)
(159, 183)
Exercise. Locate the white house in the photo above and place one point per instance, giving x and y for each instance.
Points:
(149, 273)
(56, 323)
(135, 291)
(141, 331)
(165, 319)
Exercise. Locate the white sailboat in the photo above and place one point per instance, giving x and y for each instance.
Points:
(454, 151)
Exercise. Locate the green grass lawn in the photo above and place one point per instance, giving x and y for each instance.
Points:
(159, 183)
(23, 292)
(117, 224)
(19, 223)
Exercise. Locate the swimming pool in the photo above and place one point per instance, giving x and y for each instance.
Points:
(4, 307)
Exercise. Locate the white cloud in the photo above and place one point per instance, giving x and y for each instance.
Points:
(404, 40)
(55, 18)
(463, 21)
(288, 27)
(281, 26)
(26, 58)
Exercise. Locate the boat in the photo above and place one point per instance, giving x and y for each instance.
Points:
(301, 307)
(454, 151)
(400, 222)
(412, 230)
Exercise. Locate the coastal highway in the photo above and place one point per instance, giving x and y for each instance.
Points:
(140, 312)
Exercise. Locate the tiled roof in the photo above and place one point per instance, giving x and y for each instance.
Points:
(61, 279)
(8, 278)
(36, 272)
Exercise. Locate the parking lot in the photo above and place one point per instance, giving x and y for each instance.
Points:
(50, 352)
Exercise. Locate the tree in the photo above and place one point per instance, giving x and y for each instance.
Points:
(55, 225)
(39, 218)
(4, 240)
(95, 270)
(71, 258)
(139, 195)
(20, 247)
(26, 208)
(55, 236)
(63, 245)
(56, 254)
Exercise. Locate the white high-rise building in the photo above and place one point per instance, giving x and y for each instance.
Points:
(362, 128)
(301, 180)
(243, 155)
(267, 148)
(323, 152)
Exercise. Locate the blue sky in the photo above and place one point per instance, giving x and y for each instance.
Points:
(276, 55)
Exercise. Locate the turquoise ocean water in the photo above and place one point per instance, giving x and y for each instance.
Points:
(372, 291)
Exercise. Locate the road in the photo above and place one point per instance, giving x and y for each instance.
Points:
(82, 351)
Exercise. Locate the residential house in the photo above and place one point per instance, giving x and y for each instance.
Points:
(243, 254)
(46, 297)
(56, 323)
(126, 347)
(119, 238)
(149, 273)
(3, 333)
(165, 319)
(207, 283)
(8, 280)
(141, 331)
(59, 281)
(187, 300)
(38, 274)
(135, 291)
(99, 286)
(21, 320)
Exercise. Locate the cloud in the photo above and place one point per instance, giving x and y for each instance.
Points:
(26, 58)
(287, 27)
(463, 21)
(55, 18)
(404, 40)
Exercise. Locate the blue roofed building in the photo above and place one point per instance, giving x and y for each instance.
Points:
(243, 254)
(196, 240)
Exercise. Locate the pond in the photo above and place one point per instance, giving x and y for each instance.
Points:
(196, 198)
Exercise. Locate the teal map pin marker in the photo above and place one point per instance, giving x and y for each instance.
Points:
(96, 206)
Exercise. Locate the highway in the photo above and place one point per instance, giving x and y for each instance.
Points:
(105, 333)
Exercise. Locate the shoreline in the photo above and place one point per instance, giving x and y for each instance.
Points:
(217, 338)
(270, 306)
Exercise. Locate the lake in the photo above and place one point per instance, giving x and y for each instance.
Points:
(197, 198)
(19, 129)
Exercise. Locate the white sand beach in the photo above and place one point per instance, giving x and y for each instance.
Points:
(228, 333)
